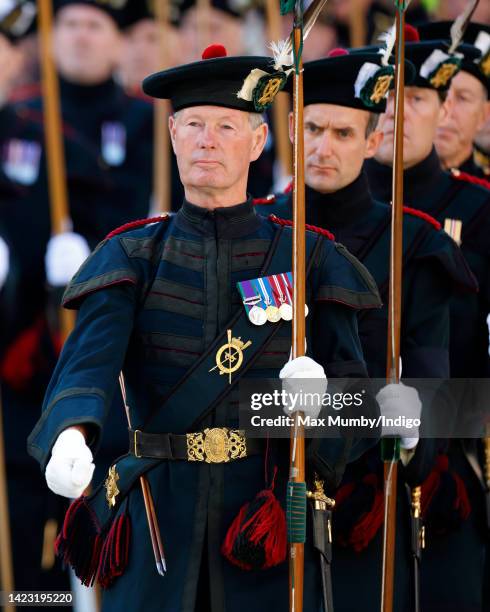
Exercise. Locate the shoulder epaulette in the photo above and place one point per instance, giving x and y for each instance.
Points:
(269, 199)
(36, 116)
(469, 178)
(138, 223)
(289, 188)
(311, 228)
(422, 215)
(25, 92)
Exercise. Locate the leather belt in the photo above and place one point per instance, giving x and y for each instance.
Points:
(216, 445)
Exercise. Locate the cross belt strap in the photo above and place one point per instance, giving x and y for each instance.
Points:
(202, 388)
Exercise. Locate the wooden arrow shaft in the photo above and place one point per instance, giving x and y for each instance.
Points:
(296, 550)
(394, 319)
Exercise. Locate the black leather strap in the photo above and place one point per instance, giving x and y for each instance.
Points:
(172, 446)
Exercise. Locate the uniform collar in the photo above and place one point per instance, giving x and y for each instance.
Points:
(224, 222)
(418, 181)
(101, 92)
(341, 208)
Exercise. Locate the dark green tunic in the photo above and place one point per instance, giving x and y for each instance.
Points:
(150, 301)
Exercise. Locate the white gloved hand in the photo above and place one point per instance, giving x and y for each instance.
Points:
(399, 400)
(65, 254)
(4, 261)
(303, 368)
(70, 468)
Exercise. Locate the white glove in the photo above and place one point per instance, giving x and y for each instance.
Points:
(399, 400)
(70, 468)
(65, 253)
(303, 368)
(4, 261)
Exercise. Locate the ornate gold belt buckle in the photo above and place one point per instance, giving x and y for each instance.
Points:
(216, 445)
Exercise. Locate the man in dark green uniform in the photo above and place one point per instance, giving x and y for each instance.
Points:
(344, 95)
(156, 300)
(457, 507)
(468, 95)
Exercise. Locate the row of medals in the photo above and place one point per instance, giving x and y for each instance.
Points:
(273, 314)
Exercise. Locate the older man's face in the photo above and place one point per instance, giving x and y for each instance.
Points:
(214, 147)
(466, 116)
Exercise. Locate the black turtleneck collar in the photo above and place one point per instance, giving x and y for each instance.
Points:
(418, 181)
(100, 93)
(224, 222)
(335, 210)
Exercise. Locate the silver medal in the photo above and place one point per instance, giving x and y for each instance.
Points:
(257, 315)
(21, 159)
(113, 143)
(286, 311)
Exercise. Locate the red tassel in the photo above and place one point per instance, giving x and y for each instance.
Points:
(445, 502)
(431, 484)
(257, 537)
(22, 356)
(79, 542)
(462, 502)
(360, 533)
(114, 555)
(365, 530)
(93, 557)
(343, 493)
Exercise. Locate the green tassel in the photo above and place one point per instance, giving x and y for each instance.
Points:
(296, 512)
(390, 449)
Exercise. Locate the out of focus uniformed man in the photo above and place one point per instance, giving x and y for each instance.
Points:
(468, 99)
(344, 94)
(453, 503)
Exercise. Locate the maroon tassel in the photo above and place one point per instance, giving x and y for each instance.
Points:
(431, 484)
(365, 530)
(22, 357)
(444, 500)
(115, 551)
(92, 556)
(343, 493)
(79, 543)
(462, 502)
(359, 512)
(257, 537)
